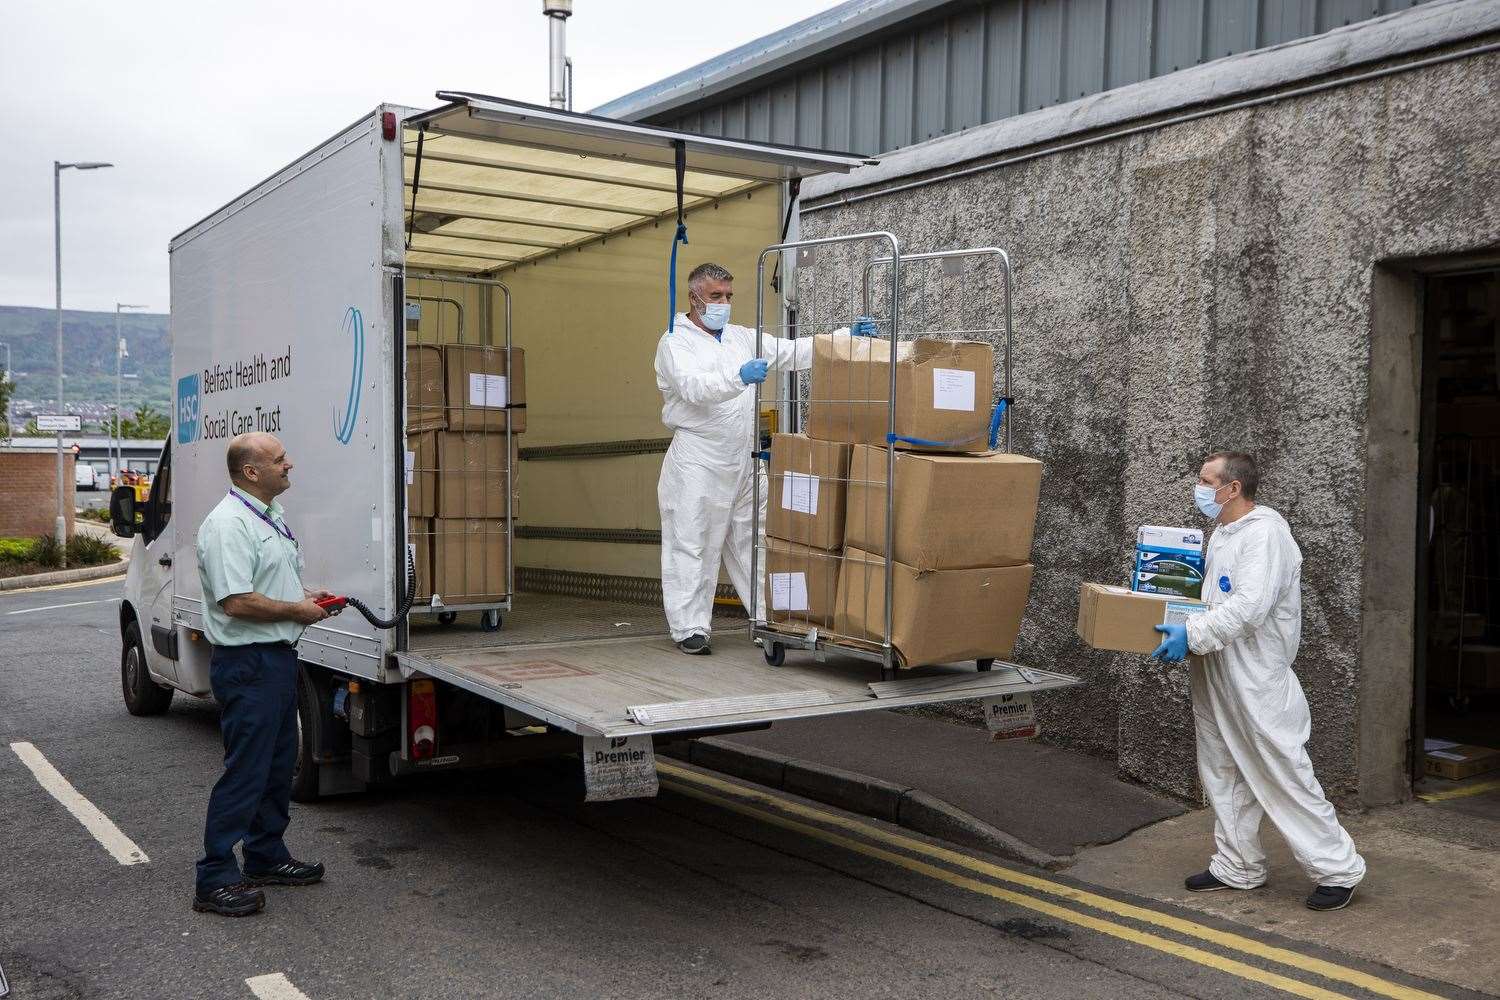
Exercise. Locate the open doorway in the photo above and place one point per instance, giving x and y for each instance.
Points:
(1458, 642)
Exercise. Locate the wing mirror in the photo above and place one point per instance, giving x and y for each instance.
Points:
(122, 511)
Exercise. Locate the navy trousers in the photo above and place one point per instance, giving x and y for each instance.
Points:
(257, 687)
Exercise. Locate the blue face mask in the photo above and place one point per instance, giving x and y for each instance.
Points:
(714, 315)
(1206, 499)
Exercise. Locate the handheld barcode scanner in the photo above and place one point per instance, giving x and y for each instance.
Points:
(332, 605)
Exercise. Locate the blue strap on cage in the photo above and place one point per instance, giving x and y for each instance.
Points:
(996, 419)
(680, 236)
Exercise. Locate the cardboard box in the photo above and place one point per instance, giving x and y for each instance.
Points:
(802, 584)
(470, 480)
(1443, 759)
(950, 511)
(1481, 668)
(1125, 621)
(419, 544)
(1173, 552)
(940, 616)
(806, 502)
(944, 392)
(482, 393)
(421, 474)
(426, 401)
(469, 559)
(1166, 583)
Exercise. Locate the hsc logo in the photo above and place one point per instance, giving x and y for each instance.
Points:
(188, 405)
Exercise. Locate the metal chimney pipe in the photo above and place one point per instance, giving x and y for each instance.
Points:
(557, 13)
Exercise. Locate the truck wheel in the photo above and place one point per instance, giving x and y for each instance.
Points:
(143, 696)
(305, 777)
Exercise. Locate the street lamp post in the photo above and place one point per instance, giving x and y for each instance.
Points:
(60, 529)
(120, 354)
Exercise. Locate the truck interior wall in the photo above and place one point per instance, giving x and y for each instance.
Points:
(589, 321)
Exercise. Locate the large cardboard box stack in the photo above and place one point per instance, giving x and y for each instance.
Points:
(962, 520)
(462, 399)
(805, 529)
(944, 392)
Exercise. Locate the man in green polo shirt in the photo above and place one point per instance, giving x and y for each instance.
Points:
(254, 610)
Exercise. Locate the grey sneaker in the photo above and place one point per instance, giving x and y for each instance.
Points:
(1330, 897)
(695, 645)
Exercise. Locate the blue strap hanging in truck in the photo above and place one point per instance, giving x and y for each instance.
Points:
(680, 236)
(997, 417)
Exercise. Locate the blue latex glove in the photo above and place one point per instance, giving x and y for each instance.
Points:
(1174, 647)
(864, 327)
(754, 370)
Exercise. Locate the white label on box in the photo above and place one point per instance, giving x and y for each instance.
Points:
(488, 390)
(799, 492)
(952, 389)
(411, 466)
(788, 591)
(1430, 745)
(618, 767)
(1178, 612)
(1445, 755)
(1010, 716)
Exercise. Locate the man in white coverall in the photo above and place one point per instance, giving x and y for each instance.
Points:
(1251, 715)
(705, 367)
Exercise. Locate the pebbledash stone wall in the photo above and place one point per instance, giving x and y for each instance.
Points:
(1203, 286)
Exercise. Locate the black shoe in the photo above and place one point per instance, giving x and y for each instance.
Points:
(238, 900)
(695, 645)
(290, 872)
(1330, 897)
(1204, 882)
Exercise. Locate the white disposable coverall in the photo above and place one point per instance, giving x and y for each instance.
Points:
(1250, 713)
(706, 483)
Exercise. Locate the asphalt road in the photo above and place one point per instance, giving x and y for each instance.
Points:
(505, 884)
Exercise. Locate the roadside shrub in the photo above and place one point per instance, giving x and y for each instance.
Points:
(89, 550)
(20, 556)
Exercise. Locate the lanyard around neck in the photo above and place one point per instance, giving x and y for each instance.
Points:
(280, 529)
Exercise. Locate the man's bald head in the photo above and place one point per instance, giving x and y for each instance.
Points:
(258, 464)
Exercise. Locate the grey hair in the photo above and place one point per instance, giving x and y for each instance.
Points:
(707, 272)
(1239, 467)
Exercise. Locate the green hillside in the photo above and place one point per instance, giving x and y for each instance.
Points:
(88, 356)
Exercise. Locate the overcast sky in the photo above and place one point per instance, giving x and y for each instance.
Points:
(195, 102)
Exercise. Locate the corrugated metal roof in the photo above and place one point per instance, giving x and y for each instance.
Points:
(879, 75)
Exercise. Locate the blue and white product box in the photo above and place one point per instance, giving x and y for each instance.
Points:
(1168, 552)
(1161, 583)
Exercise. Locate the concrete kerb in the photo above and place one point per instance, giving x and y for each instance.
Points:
(64, 576)
(908, 807)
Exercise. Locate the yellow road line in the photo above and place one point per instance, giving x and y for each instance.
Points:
(1180, 925)
(1170, 947)
(1460, 793)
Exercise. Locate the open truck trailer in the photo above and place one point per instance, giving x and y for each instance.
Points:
(486, 222)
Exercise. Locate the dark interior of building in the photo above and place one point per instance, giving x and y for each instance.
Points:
(1458, 638)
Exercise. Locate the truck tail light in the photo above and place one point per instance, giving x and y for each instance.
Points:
(421, 719)
(388, 125)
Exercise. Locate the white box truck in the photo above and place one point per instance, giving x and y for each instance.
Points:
(316, 305)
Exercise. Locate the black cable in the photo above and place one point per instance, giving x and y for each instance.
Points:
(406, 603)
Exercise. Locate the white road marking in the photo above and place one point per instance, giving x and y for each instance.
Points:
(54, 607)
(121, 847)
(274, 986)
